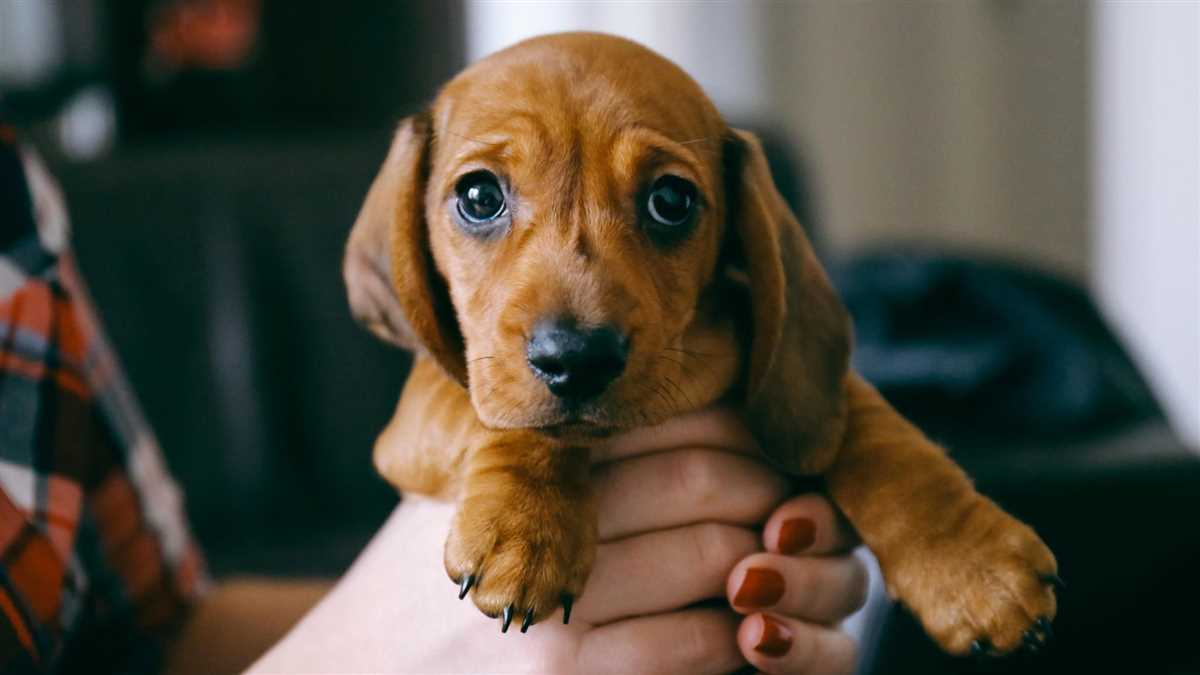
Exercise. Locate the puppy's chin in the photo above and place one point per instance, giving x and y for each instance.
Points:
(577, 432)
(594, 419)
(547, 414)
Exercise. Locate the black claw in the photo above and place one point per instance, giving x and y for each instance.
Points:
(1043, 625)
(506, 618)
(1055, 581)
(528, 621)
(1033, 641)
(567, 601)
(979, 649)
(465, 587)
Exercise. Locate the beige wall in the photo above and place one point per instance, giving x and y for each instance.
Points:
(1146, 204)
(963, 123)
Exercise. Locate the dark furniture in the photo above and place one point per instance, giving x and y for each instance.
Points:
(217, 271)
(1120, 514)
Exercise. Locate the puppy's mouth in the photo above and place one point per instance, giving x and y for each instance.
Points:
(572, 418)
(516, 407)
(577, 428)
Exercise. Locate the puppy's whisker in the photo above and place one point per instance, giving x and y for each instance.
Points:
(490, 392)
(677, 388)
(669, 382)
(706, 368)
(670, 396)
(517, 304)
(669, 360)
(506, 416)
(698, 355)
(658, 389)
(691, 404)
(468, 138)
(481, 358)
(682, 371)
(497, 384)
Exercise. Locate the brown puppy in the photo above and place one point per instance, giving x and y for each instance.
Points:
(574, 242)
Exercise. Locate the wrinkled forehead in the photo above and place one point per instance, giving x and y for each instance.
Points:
(539, 101)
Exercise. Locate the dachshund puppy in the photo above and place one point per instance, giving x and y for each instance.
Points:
(574, 242)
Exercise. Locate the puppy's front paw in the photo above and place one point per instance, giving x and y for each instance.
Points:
(985, 587)
(522, 551)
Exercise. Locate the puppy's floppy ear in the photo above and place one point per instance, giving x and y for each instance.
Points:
(393, 286)
(800, 345)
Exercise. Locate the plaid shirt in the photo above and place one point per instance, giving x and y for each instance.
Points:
(96, 560)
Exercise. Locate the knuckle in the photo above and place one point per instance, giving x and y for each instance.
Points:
(826, 589)
(695, 639)
(719, 545)
(841, 654)
(694, 476)
(812, 659)
(804, 595)
(822, 651)
(703, 539)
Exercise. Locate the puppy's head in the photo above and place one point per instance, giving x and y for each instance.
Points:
(567, 213)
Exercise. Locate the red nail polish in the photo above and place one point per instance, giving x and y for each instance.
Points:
(760, 587)
(775, 640)
(796, 535)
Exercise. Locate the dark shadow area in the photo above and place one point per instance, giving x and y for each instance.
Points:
(211, 238)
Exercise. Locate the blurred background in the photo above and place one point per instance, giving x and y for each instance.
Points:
(1007, 193)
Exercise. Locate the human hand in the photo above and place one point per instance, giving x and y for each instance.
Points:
(678, 507)
(795, 593)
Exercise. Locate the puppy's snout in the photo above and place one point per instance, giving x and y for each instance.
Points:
(576, 363)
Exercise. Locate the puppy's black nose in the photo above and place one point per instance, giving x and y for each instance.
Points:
(575, 363)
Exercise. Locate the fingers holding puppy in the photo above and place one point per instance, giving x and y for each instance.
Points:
(808, 525)
(662, 571)
(776, 644)
(820, 590)
(806, 571)
(795, 594)
(660, 512)
(682, 487)
(697, 640)
(715, 427)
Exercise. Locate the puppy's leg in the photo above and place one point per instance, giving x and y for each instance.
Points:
(978, 579)
(524, 536)
(423, 448)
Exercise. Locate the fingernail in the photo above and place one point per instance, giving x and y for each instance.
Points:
(775, 640)
(760, 587)
(797, 535)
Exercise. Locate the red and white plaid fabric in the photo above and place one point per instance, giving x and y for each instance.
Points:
(96, 560)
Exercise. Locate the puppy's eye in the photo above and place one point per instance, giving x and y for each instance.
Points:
(671, 202)
(480, 199)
